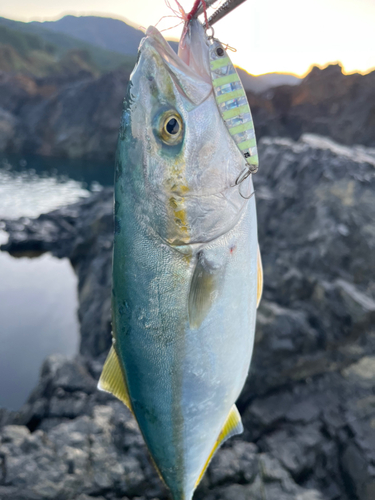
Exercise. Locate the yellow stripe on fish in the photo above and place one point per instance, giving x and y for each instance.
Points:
(232, 103)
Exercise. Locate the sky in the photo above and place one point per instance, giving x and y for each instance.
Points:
(287, 36)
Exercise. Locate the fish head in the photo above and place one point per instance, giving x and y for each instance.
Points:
(180, 159)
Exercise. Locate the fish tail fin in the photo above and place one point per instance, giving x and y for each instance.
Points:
(233, 426)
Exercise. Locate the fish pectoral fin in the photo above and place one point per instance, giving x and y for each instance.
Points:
(203, 292)
(112, 379)
(260, 278)
(233, 426)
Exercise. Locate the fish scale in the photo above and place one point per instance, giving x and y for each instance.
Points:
(232, 103)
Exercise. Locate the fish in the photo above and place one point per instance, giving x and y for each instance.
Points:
(187, 274)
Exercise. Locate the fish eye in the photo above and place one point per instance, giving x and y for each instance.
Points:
(171, 127)
(219, 51)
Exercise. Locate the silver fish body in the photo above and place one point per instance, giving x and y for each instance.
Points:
(185, 268)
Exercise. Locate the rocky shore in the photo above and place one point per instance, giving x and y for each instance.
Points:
(309, 403)
(78, 117)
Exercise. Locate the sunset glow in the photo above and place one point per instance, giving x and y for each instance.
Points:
(270, 35)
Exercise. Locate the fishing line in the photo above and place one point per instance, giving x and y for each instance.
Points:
(176, 14)
(194, 10)
(181, 14)
(171, 27)
(186, 18)
(181, 10)
(192, 14)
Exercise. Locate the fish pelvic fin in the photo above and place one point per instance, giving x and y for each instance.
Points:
(112, 379)
(260, 278)
(233, 425)
(203, 292)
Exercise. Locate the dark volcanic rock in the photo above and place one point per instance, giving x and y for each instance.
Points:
(316, 215)
(80, 117)
(53, 117)
(79, 120)
(308, 406)
(327, 102)
(85, 442)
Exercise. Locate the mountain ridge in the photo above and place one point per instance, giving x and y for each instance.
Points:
(118, 37)
(261, 83)
(109, 33)
(17, 34)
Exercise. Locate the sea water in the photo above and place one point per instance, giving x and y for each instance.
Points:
(38, 296)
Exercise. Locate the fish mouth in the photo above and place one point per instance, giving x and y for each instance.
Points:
(189, 68)
(193, 50)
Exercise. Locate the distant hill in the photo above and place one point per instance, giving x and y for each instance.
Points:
(29, 47)
(258, 84)
(111, 34)
(28, 53)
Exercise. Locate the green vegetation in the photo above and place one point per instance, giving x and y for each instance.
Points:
(33, 50)
(24, 42)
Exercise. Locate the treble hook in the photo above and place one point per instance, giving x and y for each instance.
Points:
(242, 177)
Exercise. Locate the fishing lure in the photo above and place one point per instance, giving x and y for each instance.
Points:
(232, 103)
(229, 91)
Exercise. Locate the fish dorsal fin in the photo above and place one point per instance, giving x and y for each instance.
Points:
(260, 278)
(112, 379)
(232, 426)
(203, 291)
